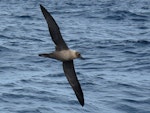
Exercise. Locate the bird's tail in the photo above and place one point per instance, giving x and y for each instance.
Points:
(44, 55)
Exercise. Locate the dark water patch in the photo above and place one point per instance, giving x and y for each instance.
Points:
(125, 14)
(25, 81)
(143, 27)
(88, 83)
(2, 100)
(133, 93)
(71, 4)
(28, 97)
(9, 85)
(139, 19)
(145, 101)
(137, 43)
(126, 85)
(45, 109)
(4, 37)
(44, 92)
(144, 42)
(130, 101)
(34, 39)
(94, 64)
(130, 52)
(24, 17)
(119, 15)
(138, 101)
(127, 108)
(91, 82)
(101, 46)
(4, 49)
(114, 17)
(91, 68)
(62, 83)
(73, 102)
(7, 29)
(31, 91)
(31, 58)
(8, 68)
(54, 75)
(121, 45)
(37, 81)
(22, 90)
(30, 110)
(139, 68)
(19, 67)
(12, 96)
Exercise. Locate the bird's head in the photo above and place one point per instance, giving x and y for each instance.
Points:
(78, 55)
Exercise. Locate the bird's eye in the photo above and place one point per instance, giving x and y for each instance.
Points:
(78, 54)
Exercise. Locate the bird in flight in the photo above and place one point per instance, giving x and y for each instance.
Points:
(63, 54)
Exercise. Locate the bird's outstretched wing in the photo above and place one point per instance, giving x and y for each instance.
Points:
(72, 78)
(54, 30)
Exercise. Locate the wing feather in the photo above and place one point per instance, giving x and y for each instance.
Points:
(54, 30)
(73, 80)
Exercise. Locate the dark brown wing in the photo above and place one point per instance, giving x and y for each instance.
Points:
(54, 30)
(72, 78)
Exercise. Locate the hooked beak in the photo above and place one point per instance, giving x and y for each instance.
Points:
(81, 58)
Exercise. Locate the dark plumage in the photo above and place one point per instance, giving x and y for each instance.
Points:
(65, 55)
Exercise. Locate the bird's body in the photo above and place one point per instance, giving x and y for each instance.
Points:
(64, 54)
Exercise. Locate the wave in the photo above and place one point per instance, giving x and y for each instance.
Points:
(126, 14)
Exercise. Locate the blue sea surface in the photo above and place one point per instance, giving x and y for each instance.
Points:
(113, 37)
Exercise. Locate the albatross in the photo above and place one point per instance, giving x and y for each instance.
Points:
(63, 54)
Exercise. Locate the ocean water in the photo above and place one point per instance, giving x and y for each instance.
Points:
(113, 36)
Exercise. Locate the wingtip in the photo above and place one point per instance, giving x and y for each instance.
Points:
(82, 102)
(41, 6)
(80, 98)
(45, 12)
